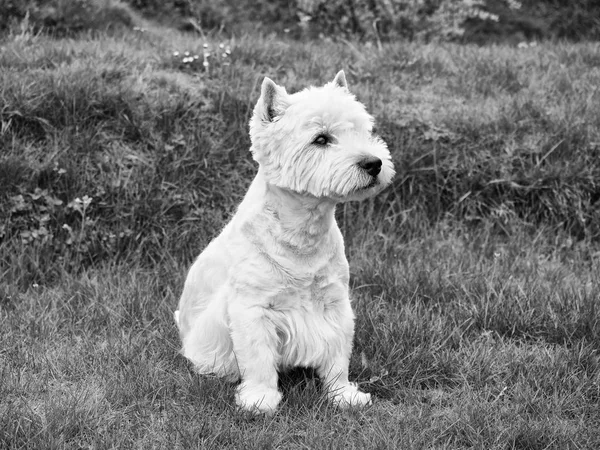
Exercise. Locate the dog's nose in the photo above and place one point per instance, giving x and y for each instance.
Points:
(372, 166)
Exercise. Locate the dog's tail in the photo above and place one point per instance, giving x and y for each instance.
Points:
(176, 317)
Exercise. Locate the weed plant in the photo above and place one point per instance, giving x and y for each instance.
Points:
(474, 276)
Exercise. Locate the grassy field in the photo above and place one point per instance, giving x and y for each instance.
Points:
(476, 275)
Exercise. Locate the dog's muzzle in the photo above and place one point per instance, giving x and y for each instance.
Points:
(371, 165)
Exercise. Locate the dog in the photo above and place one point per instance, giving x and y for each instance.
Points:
(271, 291)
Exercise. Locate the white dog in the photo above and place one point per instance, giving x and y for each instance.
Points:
(271, 291)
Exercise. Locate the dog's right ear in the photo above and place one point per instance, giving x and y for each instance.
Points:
(272, 100)
(340, 80)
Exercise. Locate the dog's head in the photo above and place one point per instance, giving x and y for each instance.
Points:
(319, 141)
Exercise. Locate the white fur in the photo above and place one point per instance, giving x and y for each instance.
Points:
(271, 291)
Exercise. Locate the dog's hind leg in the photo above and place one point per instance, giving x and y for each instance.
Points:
(209, 347)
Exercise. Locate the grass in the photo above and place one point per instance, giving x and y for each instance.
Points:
(475, 276)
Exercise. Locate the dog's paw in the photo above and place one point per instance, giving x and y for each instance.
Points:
(350, 397)
(257, 399)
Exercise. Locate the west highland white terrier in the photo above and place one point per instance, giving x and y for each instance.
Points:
(271, 291)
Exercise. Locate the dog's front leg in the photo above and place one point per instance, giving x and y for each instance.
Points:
(342, 392)
(255, 343)
(334, 370)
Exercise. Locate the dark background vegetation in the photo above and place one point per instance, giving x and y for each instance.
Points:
(179, 163)
(376, 19)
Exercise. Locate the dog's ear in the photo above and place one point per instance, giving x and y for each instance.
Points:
(272, 100)
(340, 80)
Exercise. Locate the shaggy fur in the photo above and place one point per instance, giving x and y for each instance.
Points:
(271, 291)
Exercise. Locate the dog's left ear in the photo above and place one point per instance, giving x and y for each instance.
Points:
(340, 80)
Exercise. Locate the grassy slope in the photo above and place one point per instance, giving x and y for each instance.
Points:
(475, 276)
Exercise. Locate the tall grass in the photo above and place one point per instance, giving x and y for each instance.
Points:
(474, 276)
(478, 135)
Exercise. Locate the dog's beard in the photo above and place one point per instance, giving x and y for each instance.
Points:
(374, 182)
(361, 191)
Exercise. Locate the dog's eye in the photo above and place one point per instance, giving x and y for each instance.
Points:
(322, 139)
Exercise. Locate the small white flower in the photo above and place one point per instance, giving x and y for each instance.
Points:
(86, 201)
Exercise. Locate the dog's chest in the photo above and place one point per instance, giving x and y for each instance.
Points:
(325, 288)
(312, 291)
